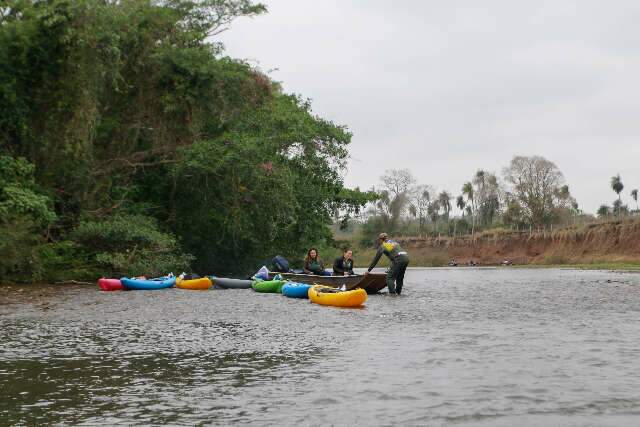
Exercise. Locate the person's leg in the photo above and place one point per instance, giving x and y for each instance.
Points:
(391, 278)
(400, 277)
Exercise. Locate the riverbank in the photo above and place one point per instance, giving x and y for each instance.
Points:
(613, 245)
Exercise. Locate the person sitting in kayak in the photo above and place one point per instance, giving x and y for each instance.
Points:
(313, 264)
(343, 265)
(399, 262)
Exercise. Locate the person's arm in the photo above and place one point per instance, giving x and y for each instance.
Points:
(336, 267)
(306, 268)
(376, 258)
(351, 267)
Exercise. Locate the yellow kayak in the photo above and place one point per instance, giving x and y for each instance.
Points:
(326, 295)
(201, 284)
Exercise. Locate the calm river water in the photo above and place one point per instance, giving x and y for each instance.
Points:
(463, 346)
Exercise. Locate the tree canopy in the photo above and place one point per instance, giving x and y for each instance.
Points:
(131, 144)
(537, 185)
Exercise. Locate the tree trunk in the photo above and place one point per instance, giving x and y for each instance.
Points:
(473, 219)
(619, 205)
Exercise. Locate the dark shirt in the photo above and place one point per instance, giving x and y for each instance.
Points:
(341, 266)
(314, 266)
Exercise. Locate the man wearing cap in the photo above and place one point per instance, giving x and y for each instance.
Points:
(399, 262)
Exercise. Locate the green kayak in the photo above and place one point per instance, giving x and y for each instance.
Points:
(270, 286)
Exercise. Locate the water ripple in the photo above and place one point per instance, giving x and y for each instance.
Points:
(463, 346)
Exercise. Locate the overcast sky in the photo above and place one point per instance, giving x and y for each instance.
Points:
(444, 88)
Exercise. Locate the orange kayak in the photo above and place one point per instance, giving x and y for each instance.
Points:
(201, 284)
(326, 295)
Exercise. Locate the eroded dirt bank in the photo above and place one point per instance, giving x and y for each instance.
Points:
(611, 242)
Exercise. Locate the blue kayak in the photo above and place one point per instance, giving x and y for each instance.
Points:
(140, 285)
(295, 290)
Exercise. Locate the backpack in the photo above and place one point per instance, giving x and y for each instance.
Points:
(280, 264)
(262, 274)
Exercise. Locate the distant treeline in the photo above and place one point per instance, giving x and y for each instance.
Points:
(129, 144)
(531, 194)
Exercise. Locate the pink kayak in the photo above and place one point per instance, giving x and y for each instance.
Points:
(110, 284)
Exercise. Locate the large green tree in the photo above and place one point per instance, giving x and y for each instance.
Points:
(538, 186)
(130, 113)
(270, 184)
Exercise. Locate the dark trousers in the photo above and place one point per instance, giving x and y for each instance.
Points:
(395, 274)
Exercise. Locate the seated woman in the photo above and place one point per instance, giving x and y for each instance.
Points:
(313, 264)
(343, 265)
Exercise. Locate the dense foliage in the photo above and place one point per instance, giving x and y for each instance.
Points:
(130, 144)
(25, 215)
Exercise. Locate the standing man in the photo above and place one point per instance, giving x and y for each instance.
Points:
(399, 262)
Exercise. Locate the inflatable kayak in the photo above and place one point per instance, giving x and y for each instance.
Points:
(220, 282)
(201, 284)
(326, 295)
(110, 284)
(295, 290)
(140, 284)
(269, 286)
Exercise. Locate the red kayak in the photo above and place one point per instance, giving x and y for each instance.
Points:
(110, 284)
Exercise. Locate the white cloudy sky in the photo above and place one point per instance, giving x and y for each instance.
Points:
(444, 88)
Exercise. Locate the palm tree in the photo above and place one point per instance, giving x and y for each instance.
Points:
(575, 208)
(617, 186)
(433, 209)
(619, 208)
(467, 190)
(480, 176)
(634, 196)
(444, 199)
(461, 204)
(603, 211)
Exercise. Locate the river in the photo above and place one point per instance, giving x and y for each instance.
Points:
(460, 347)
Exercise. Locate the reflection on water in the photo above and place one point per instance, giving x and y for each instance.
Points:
(151, 389)
(464, 346)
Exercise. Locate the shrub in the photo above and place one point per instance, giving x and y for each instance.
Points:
(126, 245)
